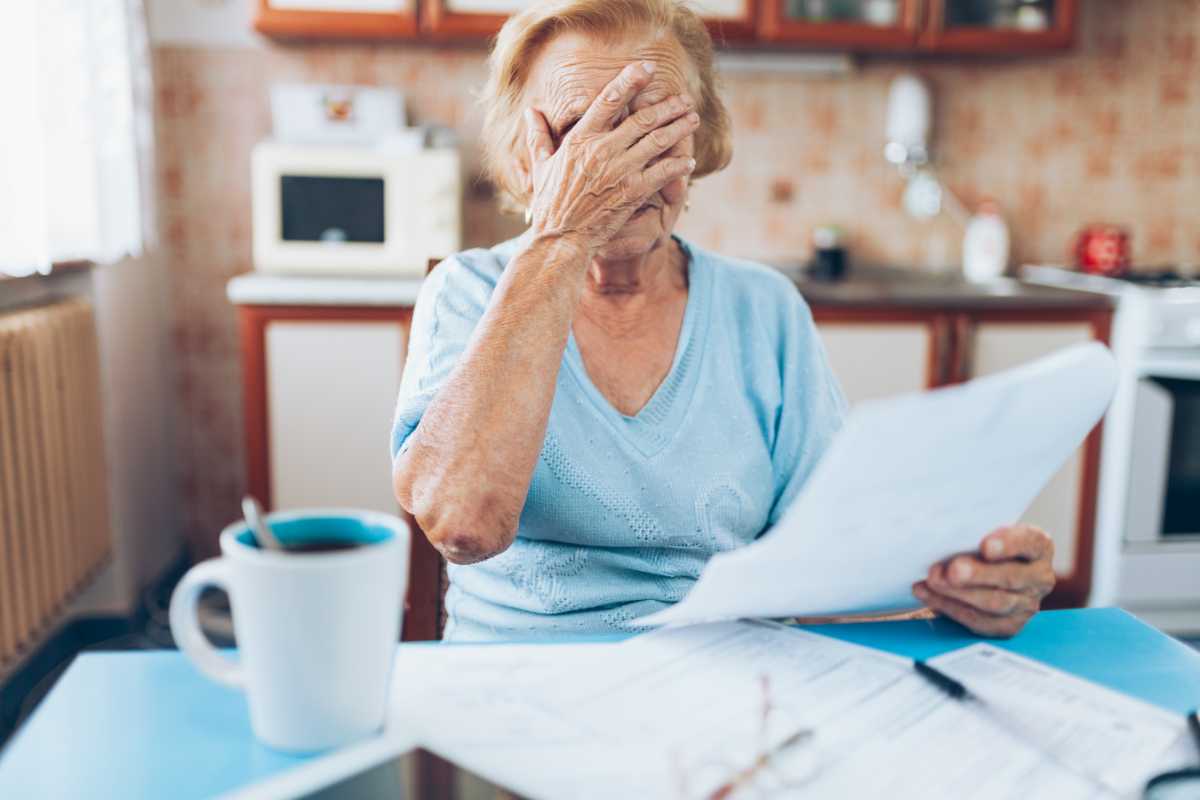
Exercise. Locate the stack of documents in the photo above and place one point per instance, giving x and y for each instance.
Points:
(755, 708)
(679, 712)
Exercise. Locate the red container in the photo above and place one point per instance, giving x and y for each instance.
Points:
(1102, 250)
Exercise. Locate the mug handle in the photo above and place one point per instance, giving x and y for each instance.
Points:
(186, 629)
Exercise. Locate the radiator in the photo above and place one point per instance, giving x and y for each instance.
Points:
(54, 521)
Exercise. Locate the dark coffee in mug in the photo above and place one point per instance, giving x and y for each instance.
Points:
(322, 546)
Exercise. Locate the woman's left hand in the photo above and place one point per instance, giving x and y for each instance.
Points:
(995, 591)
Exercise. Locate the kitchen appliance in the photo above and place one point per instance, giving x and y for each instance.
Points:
(1148, 510)
(303, 113)
(339, 210)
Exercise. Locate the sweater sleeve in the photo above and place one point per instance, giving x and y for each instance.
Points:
(449, 306)
(812, 408)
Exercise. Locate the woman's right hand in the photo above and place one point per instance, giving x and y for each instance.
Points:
(590, 186)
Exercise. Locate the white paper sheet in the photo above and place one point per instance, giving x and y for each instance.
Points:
(1096, 731)
(907, 482)
(676, 712)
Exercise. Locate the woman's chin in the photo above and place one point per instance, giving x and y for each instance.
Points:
(641, 234)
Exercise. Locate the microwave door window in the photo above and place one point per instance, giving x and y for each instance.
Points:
(332, 210)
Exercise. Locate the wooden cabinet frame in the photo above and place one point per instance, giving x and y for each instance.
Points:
(776, 26)
(439, 22)
(288, 23)
(940, 325)
(937, 38)
(1072, 590)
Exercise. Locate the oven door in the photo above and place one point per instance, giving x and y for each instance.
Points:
(1164, 479)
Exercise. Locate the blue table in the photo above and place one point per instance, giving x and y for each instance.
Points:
(133, 725)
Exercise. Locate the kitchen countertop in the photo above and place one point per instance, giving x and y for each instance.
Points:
(886, 287)
(280, 289)
(866, 288)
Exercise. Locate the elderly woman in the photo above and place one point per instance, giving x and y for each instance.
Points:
(592, 410)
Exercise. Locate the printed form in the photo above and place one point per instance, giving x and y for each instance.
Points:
(680, 712)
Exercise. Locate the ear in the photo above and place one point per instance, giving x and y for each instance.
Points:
(523, 174)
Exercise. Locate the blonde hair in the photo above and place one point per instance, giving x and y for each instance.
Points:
(525, 33)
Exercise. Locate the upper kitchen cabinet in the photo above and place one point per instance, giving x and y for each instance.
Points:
(729, 20)
(998, 26)
(466, 19)
(842, 24)
(337, 19)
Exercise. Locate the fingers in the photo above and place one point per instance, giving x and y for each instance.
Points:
(1017, 541)
(970, 571)
(660, 140)
(660, 173)
(619, 93)
(998, 602)
(647, 122)
(537, 137)
(978, 621)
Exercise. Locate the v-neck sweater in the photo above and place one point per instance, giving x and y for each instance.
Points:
(624, 511)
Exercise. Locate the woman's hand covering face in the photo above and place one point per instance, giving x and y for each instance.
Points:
(595, 180)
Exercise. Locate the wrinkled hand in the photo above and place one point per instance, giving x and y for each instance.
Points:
(598, 176)
(993, 592)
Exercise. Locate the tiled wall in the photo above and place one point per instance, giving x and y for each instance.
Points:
(1110, 132)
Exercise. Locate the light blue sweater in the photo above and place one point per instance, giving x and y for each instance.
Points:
(623, 512)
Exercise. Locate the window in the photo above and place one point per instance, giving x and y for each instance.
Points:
(76, 132)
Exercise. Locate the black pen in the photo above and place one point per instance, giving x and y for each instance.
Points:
(957, 690)
(1194, 724)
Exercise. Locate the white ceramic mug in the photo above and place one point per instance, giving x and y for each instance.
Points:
(316, 631)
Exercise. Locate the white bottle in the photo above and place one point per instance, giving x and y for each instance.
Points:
(985, 246)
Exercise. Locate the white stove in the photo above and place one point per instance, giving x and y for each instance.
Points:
(1148, 510)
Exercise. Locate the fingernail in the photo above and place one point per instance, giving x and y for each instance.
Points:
(648, 66)
(691, 164)
(693, 117)
(962, 572)
(995, 548)
(686, 98)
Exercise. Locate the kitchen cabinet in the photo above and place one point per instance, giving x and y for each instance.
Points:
(1066, 508)
(337, 19)
(842, 24)
(320, 378)
(907, 26)
(998, 26)
(320, 384)
(880, 354)
(465, 19)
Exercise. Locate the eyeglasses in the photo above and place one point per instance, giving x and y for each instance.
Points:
(1180, 784)
(784, 759)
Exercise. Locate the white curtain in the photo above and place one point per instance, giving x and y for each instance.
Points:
(76, 132)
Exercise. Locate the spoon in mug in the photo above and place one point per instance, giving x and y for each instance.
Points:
(253, 514)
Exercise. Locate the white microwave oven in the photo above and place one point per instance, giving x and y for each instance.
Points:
(342, 210)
